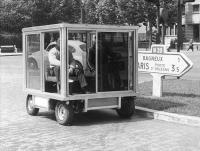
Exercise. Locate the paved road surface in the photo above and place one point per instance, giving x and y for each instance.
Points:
(95, 130)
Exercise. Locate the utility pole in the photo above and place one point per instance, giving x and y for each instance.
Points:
(158, 22)
(179, 24)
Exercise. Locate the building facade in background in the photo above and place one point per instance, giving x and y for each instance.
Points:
(190, 26)
(191, 21)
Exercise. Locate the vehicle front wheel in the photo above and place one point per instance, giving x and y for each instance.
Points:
(32, 64)
(64, 113)
(31, 110)
(127, 107)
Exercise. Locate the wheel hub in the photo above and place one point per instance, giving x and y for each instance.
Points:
(61, 112)
(30, 104)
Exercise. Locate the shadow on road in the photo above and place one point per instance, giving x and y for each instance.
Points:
(95, 117)
(98, 117)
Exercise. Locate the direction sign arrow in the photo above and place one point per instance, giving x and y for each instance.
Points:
(169, 63)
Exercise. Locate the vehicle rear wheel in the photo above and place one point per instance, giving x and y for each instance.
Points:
(64, 113)
(31, 110)
(127, 107)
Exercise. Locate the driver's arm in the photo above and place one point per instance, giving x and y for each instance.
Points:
(52, 57)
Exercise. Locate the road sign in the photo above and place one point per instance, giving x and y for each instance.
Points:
(173, 64)
(157, 48)
(160, 63)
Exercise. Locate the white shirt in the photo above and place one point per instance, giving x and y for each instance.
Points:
(54, 57)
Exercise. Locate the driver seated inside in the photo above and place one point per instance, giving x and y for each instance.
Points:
(54, 60)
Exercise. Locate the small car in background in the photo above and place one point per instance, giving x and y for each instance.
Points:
(77, 48)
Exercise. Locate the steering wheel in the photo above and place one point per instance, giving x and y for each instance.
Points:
(78, 67)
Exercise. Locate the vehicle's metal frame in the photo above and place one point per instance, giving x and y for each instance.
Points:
(63, 28)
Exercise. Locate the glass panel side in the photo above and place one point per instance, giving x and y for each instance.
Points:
(33, 62)
(81, 61)
(112, 61)
(52, 61)
(132, 61)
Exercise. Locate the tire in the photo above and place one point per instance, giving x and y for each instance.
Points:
(64, 113)
(32, 63)
(127, 107)
(31, 110)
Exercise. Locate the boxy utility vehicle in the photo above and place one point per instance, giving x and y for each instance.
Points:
(106, 54)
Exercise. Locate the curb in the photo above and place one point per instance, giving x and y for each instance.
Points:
(169, 117)
(11, 54)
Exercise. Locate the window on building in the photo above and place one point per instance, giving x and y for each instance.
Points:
(196, 32)
(183, 10)
(195, 8)
(183, 33)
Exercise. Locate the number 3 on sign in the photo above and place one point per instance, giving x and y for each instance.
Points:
(174, 68)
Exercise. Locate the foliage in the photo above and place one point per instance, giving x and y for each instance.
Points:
(170, 6)
(90, 7)
(10, 18)
(17, 14)
(107, 12)
(129, 12)
(133, 11)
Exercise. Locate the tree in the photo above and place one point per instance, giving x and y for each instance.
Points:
(129, 12)
(170, 5)
(108, 12)
(133, 11)
(17, 14)
(90, 11)
(10, 19)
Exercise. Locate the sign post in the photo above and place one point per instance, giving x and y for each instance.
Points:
(161, 63)
(157, 84)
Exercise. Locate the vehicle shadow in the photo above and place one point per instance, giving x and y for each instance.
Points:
(96, 117)
(107, 116)
(47, 114)
(99, 117)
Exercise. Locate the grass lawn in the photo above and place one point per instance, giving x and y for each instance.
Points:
(180, 96)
